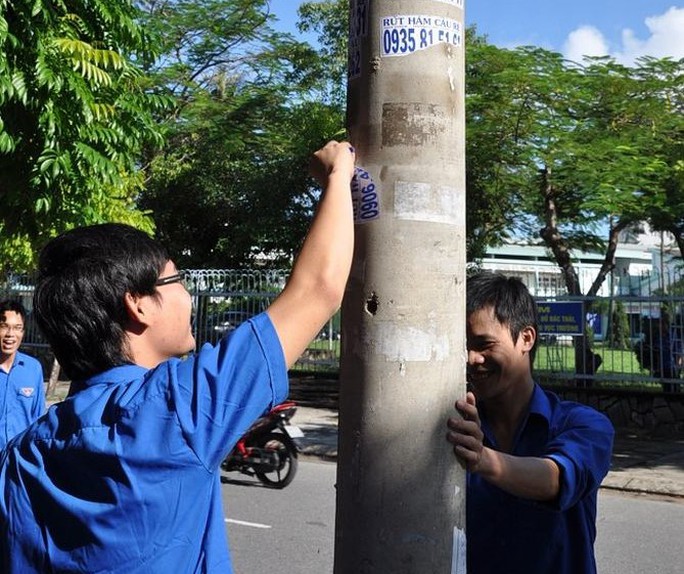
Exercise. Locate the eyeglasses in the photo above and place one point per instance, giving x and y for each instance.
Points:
(176, 278)
(5, 328)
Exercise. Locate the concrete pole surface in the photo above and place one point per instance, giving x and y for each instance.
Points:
(400, 489)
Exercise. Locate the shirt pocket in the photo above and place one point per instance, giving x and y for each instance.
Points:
(19, 415)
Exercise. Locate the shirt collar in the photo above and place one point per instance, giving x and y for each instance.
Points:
(18, 360)
(539, 403)
(538, 411)
(115, 375)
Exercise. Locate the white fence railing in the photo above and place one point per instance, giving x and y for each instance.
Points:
(637, 334)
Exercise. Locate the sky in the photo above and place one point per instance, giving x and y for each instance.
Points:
(624, 29)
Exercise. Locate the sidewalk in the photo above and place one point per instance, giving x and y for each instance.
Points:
(641, 463)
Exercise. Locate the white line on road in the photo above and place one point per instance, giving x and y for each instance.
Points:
(243, 523)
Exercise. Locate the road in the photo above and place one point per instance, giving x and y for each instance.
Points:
(638, 534)
(291, 531)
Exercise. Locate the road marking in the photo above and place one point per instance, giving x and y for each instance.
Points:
(243, 523)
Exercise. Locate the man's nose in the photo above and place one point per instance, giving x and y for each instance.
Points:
(475, 357)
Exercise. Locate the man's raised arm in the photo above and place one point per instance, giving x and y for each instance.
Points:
(316, 286)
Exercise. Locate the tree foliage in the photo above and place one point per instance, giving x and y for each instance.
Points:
(330, 20)
(598, 160)
(662, 92)
(587, 151)
(232, 184)
(567, 153)
(562, 152)
(229, 194)
(619, 329)
(74, 118)
(497, 119)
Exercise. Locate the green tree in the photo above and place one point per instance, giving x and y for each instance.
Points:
(74, 118)
(664, 94)
(226, 196)
(330, 20)
(588, 154)
(598, 158)
(498, 118)
(250, 110)
(619, 330)
(565, 148)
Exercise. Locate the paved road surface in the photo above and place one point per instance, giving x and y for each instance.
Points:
(292, 531)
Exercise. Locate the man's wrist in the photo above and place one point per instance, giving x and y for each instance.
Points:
(342, 174)
(490, 464)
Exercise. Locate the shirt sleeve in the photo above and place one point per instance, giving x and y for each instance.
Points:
(223, 389)
(582, 449)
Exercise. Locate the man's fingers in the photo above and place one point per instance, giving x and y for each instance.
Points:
(470, 398)
(468, 411)
(464, 429)
(332, 155)
(468, 456)
(472, 442)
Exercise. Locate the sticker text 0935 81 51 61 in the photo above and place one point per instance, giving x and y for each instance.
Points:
(404, 35)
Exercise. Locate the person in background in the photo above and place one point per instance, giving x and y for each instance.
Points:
(123, 476)
(22, 395)
(534, 461)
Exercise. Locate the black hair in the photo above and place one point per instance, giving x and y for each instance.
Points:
(510, 299)
(12, 305)
(83, 277)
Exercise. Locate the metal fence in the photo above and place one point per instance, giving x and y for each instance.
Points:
(222, 300)
(631, 338)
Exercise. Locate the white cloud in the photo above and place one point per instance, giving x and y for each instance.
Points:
(585, 41)
(666, 38)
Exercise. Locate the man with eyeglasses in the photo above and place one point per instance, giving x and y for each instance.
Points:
(22, 397)
(123, 476)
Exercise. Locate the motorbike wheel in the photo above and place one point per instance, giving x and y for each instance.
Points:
(287, 452)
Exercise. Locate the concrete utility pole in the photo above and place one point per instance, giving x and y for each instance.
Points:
(400, 490)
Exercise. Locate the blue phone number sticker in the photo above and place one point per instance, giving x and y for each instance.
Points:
(404, 35)
(365, 199)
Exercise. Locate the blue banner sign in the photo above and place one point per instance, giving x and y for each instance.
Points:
(560, 317)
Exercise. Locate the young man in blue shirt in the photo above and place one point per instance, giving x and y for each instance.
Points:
(22, 396)
(535, 462)
(123, 476)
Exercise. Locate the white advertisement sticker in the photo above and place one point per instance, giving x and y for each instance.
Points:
(457, 3)
(365, 199)
(406, 34)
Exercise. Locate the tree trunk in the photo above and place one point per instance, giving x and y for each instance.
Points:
(586, 361)
(54, 378)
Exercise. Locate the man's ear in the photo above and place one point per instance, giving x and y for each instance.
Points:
(528, 336)
(137, 309)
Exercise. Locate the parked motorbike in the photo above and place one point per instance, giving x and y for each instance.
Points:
(268, 450)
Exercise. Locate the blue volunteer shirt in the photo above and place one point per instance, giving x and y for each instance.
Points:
(123, 477)
(510, 535)
(22, 396)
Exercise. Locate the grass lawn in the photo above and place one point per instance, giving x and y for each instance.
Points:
(551, 364)
(561, 358)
